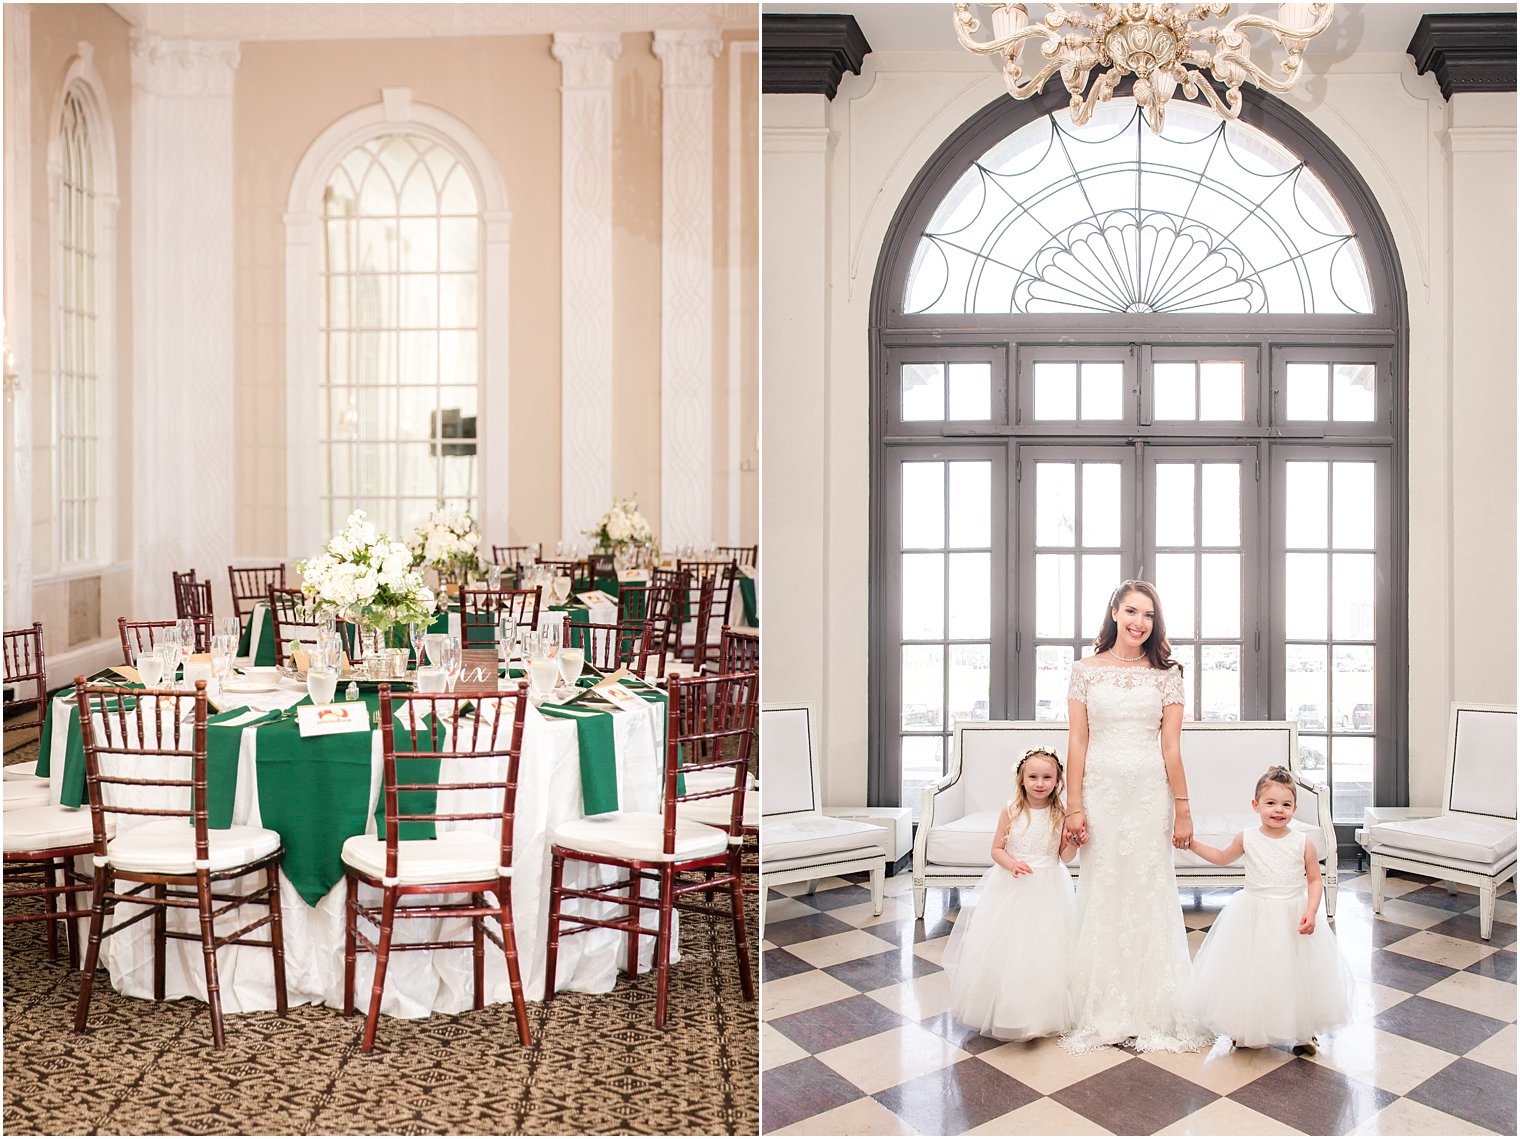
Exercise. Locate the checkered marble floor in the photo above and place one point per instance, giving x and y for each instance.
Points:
(855, 1038)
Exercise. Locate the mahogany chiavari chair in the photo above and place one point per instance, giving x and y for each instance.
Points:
(193, 599)
(700, 605)
(135, 750)
(485, 749)
(137, 635)
(251, 584)
(740, 555)
(708, 729)
(654, 605)
(41, 839)
(480, 610)
(25, 666)
(724, 576)
(514, 557)
(293, 620)
(738, 652)
(579, 573)
(611, 647)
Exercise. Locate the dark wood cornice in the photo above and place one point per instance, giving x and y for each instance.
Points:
(808, 54)
(1468, 51)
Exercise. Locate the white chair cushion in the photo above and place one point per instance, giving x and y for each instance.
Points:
(966, 841)
(26, 770)
(715, 812)
(168, 847)
(639, 835)
(1463, 837)
(46, 828)
(454, 856)
(21, 793)
(810, 836)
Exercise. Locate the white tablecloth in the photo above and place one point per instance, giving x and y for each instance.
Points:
(418, 982)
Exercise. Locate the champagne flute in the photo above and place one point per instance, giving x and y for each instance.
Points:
(551, 635)
(415, 632)
(186, 627)
(506, 639)
(168, 647)
(452, 660)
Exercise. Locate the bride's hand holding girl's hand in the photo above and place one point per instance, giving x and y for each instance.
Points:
(1182, 832)
(1075, 828)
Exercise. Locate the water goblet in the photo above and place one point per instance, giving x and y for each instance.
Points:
(542, 674)
(571, 660)
(321, 680)
(150, 666)
(561, 588)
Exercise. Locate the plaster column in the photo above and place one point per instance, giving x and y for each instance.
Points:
(18, 315)
(686, 281)
(1480, 142)
(586, 277)
(182, 282)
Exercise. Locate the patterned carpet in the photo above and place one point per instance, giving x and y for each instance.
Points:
(597, 1066)
(856, 1039)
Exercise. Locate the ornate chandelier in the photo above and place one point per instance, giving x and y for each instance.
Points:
(1156, 43)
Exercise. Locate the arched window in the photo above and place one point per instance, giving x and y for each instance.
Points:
(400, 375)
(1099, 354)
(82, 189)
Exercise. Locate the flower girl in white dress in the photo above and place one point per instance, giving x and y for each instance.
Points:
(1271, 929)
(1007, 954)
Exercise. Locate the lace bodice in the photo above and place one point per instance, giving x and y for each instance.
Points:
(1124, 705)
(1274, 863)
(1032, 839)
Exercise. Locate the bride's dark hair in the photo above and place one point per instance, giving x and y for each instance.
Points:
(1156, 646)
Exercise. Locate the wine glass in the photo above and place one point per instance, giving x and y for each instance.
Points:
(223, 646)
(551, 635)
(493, 576)
(530, 643)
(230, 627)
(571, 660)
(561, 588)
(167, 643)
(506, 639)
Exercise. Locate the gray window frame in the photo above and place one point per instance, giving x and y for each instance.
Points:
(1381, 335)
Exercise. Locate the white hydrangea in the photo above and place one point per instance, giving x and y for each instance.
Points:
(362, 575)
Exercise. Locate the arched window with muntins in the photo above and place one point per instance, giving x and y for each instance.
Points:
(1099, 354)
(78, 348)
(400, 330)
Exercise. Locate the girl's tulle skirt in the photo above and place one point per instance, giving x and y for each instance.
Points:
(1260, 982)
(1007, 955)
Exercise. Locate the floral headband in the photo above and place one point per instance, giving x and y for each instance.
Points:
(1045, 751)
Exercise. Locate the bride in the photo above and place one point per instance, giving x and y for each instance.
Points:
(1127, 803)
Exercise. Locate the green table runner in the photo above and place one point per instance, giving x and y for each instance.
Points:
(73, 741)
(747, 595)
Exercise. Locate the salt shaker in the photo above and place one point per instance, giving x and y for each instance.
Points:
(352, 691)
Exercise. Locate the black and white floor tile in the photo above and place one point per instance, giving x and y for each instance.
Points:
(855, 1038)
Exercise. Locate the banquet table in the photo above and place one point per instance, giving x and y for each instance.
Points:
(318, 791)
(257, 642)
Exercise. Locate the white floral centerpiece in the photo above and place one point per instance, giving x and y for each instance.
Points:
(622, 527)
(449, 542)
(363, 576)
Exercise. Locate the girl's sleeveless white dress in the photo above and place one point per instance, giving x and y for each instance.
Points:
(1130, 969)
(1007, 955)
(1256, 979)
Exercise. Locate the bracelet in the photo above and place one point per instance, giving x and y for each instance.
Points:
(1180, 798)
(1078, 811)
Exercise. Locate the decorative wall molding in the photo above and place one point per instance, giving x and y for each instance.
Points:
(393, 110)
(807, 54)
(182, 285)
(1468, 51)
(686, 273)
(262, 22)
(586, 60)
(18, 316)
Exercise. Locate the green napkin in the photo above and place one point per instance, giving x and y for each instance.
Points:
(597, 756)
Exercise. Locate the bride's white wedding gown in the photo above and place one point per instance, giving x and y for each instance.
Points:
(1130, 969)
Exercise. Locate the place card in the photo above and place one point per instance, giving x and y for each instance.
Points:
(332, 719)
(127, 672)
(594, 597)
(477, 671)
(622, 697)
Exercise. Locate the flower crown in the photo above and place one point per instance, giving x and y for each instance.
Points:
(1045, 751)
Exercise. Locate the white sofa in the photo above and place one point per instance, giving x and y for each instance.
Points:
(1470, 837)
(1223, 760)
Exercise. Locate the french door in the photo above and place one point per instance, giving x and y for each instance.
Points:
(1002, 537)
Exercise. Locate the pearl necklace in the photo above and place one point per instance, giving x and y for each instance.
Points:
(1127, 660)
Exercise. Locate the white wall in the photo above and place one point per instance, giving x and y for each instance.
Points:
(1459, 266)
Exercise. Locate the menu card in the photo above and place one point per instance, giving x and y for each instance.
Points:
(594, 597)
(332, 719)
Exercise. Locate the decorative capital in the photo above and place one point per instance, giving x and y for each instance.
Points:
(687, 57)
(805, 54)
(1468, 51)
(183, 68)
(586, 58)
